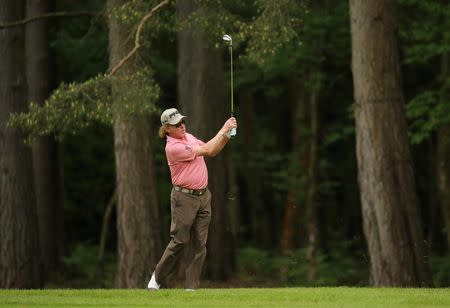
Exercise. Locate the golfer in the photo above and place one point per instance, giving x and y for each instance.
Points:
(190, 199)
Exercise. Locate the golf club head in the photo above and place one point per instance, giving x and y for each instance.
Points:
(227, 38)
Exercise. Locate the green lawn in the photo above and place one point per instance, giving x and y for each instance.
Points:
(254, 297)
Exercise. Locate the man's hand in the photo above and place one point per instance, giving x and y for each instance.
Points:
(229, 124)
(216, 144)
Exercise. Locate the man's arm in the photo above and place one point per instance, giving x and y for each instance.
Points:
(216, 144)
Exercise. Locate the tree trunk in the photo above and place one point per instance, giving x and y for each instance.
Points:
(138, 227)
(45, 150)
(301, 197)
(310, 211)
(104, 234)
(19, 241)
(299, 161)
(258, 216)
(443, 155)
(201, 92)
(389, 202)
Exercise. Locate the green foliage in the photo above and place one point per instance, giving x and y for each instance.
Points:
(339, 267)
(255, 265)
(440, 270)
(276, 25)
(75, 106)
(131, 13)
(135, 93)
(426, 114)
(336, 268)
(274, 42)
(83, 269)
(424, 34)
(338, 133)
(70, 108)
(211, 18)
(87, 163)
(424, 44)
(80, 44)
(260, 28)
(83, 260)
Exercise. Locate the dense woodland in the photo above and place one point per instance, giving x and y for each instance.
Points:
(339, 173)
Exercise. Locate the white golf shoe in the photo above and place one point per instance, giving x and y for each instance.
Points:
(152, 284)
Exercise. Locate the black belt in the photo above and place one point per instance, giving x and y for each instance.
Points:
(195, 192)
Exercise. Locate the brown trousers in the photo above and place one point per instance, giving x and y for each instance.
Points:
(191, 216)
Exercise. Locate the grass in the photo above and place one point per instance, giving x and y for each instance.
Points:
(252, 297)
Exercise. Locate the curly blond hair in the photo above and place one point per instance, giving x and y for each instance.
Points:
(163, 131)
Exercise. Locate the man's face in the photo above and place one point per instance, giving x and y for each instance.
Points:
(178, 130)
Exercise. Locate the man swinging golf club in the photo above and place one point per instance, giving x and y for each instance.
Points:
(190, 199)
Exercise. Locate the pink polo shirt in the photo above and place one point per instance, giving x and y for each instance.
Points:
(186, 168)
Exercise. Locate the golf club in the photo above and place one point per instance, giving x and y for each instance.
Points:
(228, 39)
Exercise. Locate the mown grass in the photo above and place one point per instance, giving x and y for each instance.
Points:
(252, 297)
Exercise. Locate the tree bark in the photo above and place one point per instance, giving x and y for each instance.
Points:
(443, 154)
(45, 150)
(258, 217)
(201, 93)
(389, 202)
(138, 227)
(302, 197)
(299, 162)
(105, 227)
(19, 241)
(311, 191)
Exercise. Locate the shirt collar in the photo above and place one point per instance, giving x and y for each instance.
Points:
(172, 139)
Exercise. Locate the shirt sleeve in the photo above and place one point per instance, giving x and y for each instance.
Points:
(180, 152)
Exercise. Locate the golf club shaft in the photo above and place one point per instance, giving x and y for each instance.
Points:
(233, 131)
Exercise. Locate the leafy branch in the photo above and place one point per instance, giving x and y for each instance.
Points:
(137, 38)
(75, 106)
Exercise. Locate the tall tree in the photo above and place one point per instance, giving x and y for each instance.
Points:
(45, 151)
(19, 262)
(258, 217)
(443, 151)
(424, 50)
(306, 89)
(311, 191)
(138, 227)
(388, 198)
(201, 94)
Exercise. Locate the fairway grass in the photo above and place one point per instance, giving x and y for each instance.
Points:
(252, 297)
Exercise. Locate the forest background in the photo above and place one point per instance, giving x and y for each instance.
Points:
(92, 205)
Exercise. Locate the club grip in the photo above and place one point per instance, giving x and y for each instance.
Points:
(233, 132)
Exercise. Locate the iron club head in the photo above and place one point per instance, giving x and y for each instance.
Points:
(227, 38)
